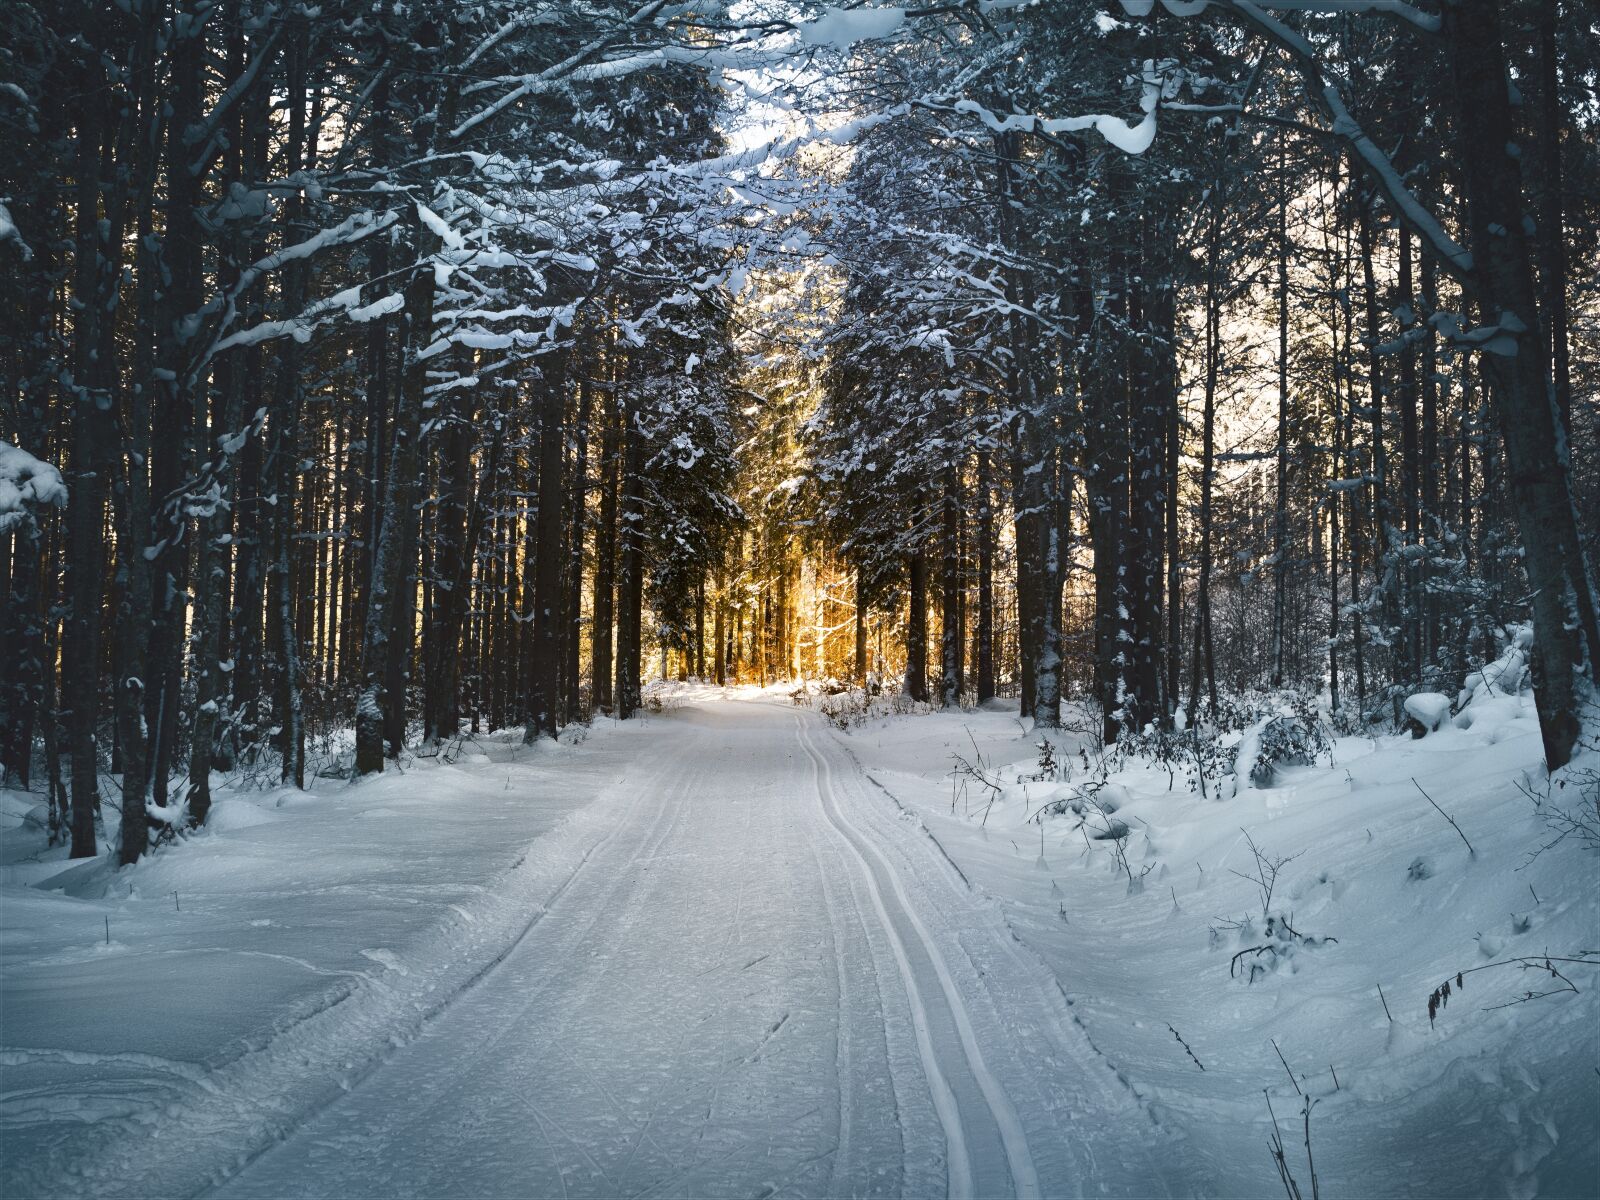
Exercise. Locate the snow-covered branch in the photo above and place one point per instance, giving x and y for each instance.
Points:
(26, 483)
(1325, 94)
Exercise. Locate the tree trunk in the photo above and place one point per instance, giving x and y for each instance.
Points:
(1564, 624)
(950, 632)
(700, 628)
(389, 566)
(545, 709)
(1553, 120)
(630, 573)
(719, 633)
(1408, 576)
(1151, 396)
(458, 551)
(1280, 523)
(916, 681)
(134, 611)
(985, 633)
(861, 630)
(452, 566)
(1385, 554)
(1107, 477)
(1204, 657)
(181, 289)
(80, 662)
(1430, 508)
(245, 618)
(605, 559)
(577, 529)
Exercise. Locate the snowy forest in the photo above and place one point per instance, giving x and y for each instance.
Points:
(1105, 394)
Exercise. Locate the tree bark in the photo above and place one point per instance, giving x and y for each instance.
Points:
(630, 573)
(1204, 657)
(1280, 523)
(577, 530)
(93, 286)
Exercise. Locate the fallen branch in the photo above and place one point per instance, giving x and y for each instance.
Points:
(1471, 853)
(1285, 1063)
(1439, 998)
(1185, 1046)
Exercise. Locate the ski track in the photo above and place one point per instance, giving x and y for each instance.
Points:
(956, 1116)
(759, 980)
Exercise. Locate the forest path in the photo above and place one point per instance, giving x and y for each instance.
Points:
(756, 984)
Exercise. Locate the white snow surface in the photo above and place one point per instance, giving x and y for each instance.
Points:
(726, 950)
(1486, 1101)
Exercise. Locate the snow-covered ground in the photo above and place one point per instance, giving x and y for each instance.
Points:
(1484, 1101)
(730, 950)
(160, 1024)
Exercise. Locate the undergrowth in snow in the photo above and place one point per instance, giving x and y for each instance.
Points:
(1261, 920)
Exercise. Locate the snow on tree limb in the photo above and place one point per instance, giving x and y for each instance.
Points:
(841, 28)
(440, 227)
(1398, 9)
(552, 76)
(1454, 257)
(10, 233)
(352, 229)
(26, 483)
(1130, 139)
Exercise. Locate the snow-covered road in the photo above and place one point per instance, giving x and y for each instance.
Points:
(727, 950)
(760, 982)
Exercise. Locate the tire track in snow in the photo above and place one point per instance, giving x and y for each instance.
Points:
(1013, 1139)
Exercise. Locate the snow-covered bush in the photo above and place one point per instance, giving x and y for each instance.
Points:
(1429, 711)
(845, 708)
(1293, 736)
(1202, 754)
(662, 695)
(1256, 733)
(1279, 941)
(1278, 945)
(1048, 767)
(1286, 741)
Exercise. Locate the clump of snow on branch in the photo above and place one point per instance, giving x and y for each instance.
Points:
(1129, 138)
(26, 483)
(841, 28)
